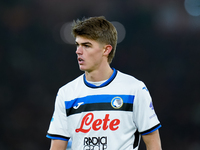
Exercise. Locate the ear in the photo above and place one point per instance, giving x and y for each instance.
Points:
(107, 50)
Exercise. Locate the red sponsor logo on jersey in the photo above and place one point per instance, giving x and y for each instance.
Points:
(89, 123)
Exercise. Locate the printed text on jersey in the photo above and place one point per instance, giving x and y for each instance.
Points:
(89, 123)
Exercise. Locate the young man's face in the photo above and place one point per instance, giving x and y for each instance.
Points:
(89, 53)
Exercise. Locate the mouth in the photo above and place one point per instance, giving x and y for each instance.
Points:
(80, 60)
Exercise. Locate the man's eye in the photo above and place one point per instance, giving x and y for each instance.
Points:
(87, 46)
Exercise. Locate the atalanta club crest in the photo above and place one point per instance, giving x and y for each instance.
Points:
(117, 102)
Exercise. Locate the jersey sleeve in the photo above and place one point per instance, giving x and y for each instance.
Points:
(144, 114)
(58, 125)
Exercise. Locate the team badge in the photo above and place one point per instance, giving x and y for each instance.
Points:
(117, 102)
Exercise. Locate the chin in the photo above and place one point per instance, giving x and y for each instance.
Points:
(82, 68)
(85, 69)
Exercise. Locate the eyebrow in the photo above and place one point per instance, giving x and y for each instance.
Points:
(85, 43)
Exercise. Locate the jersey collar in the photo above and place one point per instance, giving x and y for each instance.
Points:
(103, 84)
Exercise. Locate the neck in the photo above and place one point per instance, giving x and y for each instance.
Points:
(100, 74)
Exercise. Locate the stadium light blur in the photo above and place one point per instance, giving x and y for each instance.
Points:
(65, 33)
(120, 30)
(192, 7)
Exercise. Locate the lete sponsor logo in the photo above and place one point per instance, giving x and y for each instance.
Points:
(89, 123)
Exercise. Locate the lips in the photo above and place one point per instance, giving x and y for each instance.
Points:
(80, 60)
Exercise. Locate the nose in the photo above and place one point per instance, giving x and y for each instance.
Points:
(79, 50)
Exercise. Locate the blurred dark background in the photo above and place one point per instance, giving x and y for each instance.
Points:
(161, 47)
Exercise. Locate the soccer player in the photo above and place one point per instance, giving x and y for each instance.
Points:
(103, 109)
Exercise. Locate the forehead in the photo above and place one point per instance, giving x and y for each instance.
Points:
(81, 39)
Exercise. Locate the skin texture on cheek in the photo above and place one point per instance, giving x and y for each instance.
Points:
(93, 59)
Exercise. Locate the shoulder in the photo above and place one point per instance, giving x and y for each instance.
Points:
(129, 79)
(72, 84)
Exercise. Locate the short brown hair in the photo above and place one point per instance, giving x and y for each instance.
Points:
(99, 29)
